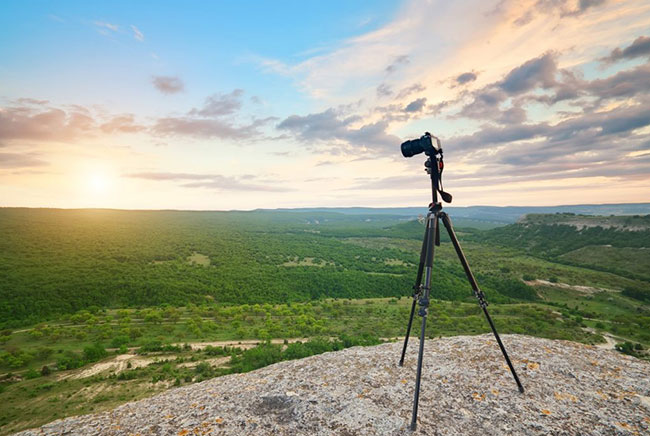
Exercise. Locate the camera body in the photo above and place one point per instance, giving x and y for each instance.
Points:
(423, 144)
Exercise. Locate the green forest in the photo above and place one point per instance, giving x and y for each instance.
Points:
(81, 287)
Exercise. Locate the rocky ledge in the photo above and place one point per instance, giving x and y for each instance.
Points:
(467, 389)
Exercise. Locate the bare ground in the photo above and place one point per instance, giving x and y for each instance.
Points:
(571, 389)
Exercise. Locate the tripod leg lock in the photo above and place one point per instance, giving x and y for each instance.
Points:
(481, 298)
(424, 304)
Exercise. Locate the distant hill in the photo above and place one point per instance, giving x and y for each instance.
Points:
(617, 244)
(506, 214)
(630, 223)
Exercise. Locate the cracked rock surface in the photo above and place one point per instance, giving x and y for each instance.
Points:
(467, 389)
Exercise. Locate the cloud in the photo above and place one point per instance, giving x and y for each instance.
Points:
(383, 90)
(122, 124)
(412, 89)
(626, 83)
(218, 105)
(464, 78)
(55, 18)
(204, 128)
(168, 84)
(328, 126)
(209, 121)
(106, 28)
(31, 119)
(566, 137)
(31, 101)
(562, 8)
(391, 182)
(397, 63)
(416, 105)
(640, 47)
(20, 160)
(533, 73)
(161, 176)
(43, 123)
(210, 181)
(517, 86)
(137, 34)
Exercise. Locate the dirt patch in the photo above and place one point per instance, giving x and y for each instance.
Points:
(610, 344)
(115, 364)
(578, 288)
(307, 261)
(395, 262)
(198, 259)
(246, 344)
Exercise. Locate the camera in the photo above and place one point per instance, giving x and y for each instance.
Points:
(422, 144)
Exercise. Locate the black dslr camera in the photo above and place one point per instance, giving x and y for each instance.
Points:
(422, 144)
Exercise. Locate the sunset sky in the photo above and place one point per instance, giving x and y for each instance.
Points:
(246, 104)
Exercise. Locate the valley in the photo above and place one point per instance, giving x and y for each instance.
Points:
(101, 307)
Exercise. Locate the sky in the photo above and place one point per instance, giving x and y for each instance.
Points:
(243, 105)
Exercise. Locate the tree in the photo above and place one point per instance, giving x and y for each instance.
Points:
(94, 352)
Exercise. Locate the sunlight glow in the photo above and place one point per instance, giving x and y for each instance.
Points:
(99, 182)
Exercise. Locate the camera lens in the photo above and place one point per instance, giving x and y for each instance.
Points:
(412, 147)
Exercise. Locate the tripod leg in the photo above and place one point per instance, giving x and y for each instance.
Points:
(478, 293)
(416, 290)
(424, 309)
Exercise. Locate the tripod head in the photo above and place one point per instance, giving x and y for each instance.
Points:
(434, 164)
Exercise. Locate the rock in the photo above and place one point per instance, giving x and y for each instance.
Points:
(571, 389)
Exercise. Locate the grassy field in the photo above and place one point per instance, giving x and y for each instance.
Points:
(629, 261)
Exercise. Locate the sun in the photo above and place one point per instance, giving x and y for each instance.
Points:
(99, 183)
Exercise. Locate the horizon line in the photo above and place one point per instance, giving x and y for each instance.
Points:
(314, 207)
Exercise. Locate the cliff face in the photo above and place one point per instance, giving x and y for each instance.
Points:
(571, 389)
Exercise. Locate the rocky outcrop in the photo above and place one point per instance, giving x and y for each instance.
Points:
(571, 389)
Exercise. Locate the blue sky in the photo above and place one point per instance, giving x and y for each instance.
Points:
(212, 45)
(222, 105)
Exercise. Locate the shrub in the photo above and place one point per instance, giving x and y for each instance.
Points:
(637, 293)
(94, 352)
(626, 348)
(69, 360)
(32, 373)
(118, 341)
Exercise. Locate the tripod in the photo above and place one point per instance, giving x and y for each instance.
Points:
(434, 167)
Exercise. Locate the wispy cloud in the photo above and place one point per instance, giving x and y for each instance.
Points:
(105, 28)
(137, 34)
(218, 104)
(397, 63)
(20, 160)
(211, 181)
(56, 18)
